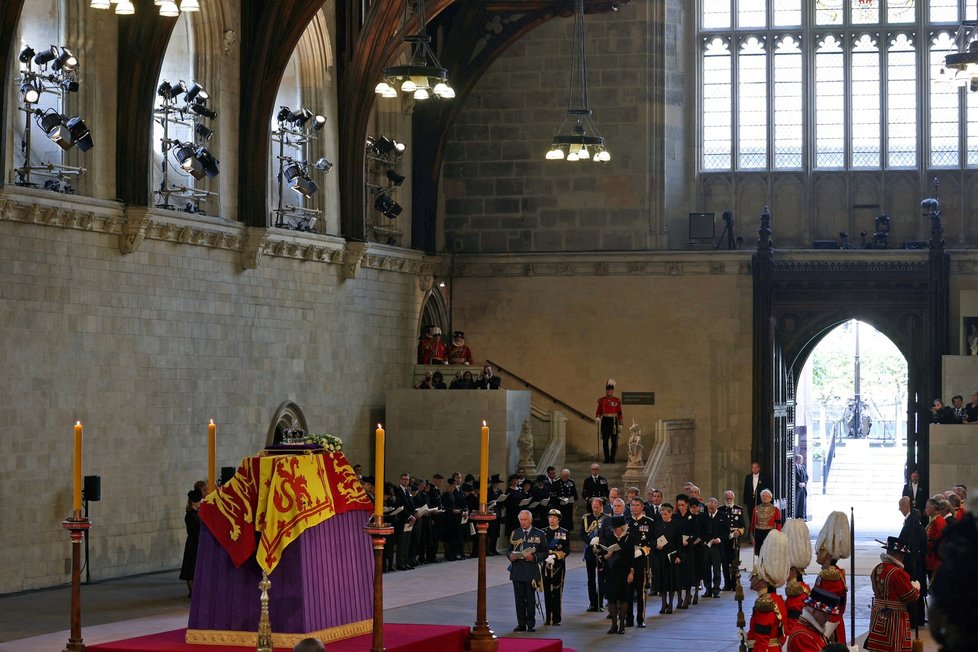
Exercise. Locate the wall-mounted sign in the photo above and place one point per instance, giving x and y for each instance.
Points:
(638, 398)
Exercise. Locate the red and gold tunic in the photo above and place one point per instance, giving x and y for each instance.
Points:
(889, 622)
(766, 629)
(833, 579)
(609, 406)
(766, 517)
(796, 591)
(459, 354)
(934, 531)
(805, 639)
(431, 350)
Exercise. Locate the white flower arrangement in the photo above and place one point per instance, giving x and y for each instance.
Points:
(329, 443)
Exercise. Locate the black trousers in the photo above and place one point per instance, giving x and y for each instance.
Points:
(637, 595)
(553, 588)
(523, 592)
(595, 582)
(609, 438)
(714, 568)
(730, 559)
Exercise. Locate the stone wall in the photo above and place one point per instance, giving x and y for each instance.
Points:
(676, 326)
(500, 193)
(953, 457)
(145, 348)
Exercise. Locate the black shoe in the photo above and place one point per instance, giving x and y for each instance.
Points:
(669, 609)
(629, 623)
(593, 608)
(556, 624)
(641, 625)
(608, 617)
(519, 628)
(621, 629)
(716, 593)
(531, 629)
(614, 627)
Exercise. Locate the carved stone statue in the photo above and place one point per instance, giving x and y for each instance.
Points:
(525, 443)
(635, 448)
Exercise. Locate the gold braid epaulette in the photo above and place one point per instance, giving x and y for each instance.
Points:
(794, 588)
(764, 604)
(830, 573)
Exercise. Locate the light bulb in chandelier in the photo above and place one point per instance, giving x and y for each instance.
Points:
(409, 86)
(189, 5)
(169, 10)
(556, 153)
(125, 8)
(100, 4)
(421, 94)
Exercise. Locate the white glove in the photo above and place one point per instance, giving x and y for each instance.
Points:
(550, 560)
(733, 534)
(594, 541)
(638, 553)
(915, 584)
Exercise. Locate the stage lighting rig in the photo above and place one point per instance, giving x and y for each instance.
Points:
(295, 132)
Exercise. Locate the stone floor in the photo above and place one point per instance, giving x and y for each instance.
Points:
(442, 594)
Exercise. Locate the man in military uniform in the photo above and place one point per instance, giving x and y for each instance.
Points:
(554, 567)
(732, 515)
(595, 485)
(813, 625)
(514, 496)
(590, 533)
(527, 550)
(540, 500)
(640, 533)
(565, 491)
(893, 591)
(609, 417)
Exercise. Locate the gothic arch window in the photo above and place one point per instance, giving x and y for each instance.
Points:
(434, 311)
(308, 82)
(45, 24)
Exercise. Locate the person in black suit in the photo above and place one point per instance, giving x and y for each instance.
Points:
(754, 483)
(801, 488)
(514, 496)
(914, 490)
(404, 500)
(488, 380)
(915, 562)
(619, 570)
(527, 550)
(715, 531)
(733, 516)
(595, 485)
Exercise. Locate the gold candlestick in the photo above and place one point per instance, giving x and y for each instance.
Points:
(264, 624)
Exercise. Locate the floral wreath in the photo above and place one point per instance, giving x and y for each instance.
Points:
(329, 443)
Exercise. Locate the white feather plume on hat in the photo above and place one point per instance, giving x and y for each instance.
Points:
(799, 542)
(611, 382)
(772, 563)
(833, 539)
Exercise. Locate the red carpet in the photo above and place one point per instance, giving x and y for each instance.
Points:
(397, 638)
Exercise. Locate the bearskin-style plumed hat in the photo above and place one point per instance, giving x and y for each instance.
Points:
(833, 539)
(799, 543)
(772, 563)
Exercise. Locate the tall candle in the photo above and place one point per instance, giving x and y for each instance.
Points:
(76, 502)
(484, 467)
(379, 473)
(211, 456)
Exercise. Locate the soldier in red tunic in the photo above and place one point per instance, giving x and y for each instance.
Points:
(766, 630)
(810, 634)
(796, 591)
(431, 350)
(610, 418)
(459, 352)
(832, 545)
(893, 590)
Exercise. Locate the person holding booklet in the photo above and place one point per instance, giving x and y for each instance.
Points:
(591, 531)
(618, 552)
(527, 550)
(640, 531)
(665, 556)
(686, 568)
(554, 567)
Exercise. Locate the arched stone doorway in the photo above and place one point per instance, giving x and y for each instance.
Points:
(800, 296)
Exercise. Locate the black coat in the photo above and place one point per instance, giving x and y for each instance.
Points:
(192, 521)
(753, 498)
(594, 489)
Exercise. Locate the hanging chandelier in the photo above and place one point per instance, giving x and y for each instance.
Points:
(423, 76)
(961, 64)
(168, 8)
(578, 138)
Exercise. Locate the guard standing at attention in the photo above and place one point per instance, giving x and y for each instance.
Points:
(610, 418)
(527, 550)
(554, 568)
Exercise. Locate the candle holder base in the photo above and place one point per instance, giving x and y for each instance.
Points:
(76, 525)
(481, 638)
(378, 532)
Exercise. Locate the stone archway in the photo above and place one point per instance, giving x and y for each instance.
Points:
(799, 299)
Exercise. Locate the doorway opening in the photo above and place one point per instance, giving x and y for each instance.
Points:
(851, 427)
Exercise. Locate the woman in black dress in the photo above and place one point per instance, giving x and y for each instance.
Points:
(665, 537)
(618, 570)
(192, 521)
(686, 569)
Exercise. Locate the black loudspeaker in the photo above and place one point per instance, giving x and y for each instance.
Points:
(825, 244)
(92, 489)
(227, 472)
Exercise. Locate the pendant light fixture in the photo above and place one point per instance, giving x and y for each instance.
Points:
(167, 8)
(423, 76)
(578, 138)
